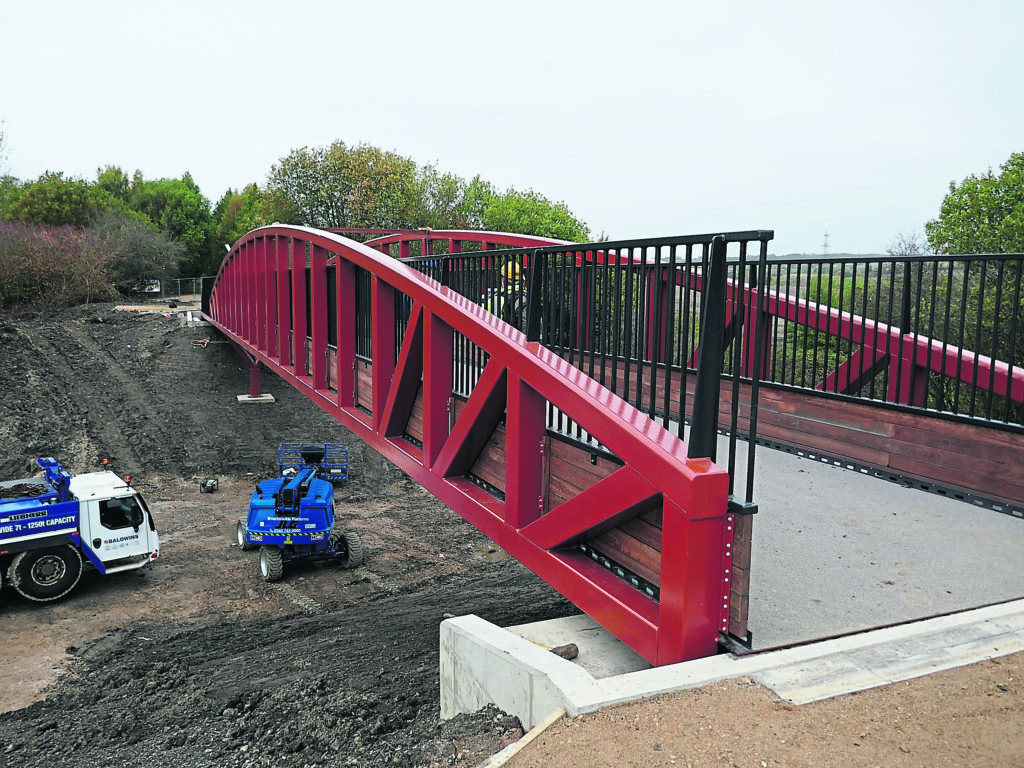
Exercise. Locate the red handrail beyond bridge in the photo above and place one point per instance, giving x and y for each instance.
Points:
(598, 496)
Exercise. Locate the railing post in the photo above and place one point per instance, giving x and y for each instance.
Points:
(382, 332)
(299, 308)
(445, 277)
(283, 308)
(318, 315)
(534, 300)
(345, 274)
(438, 352)
(260, 250)
(704, 423)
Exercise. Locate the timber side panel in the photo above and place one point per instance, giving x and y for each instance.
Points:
(825, 412)
(635, 544)
(993, 446)
(630, 553)
(641, 530)
(983, 462)
(995, 489)
(414, 427)
(955, 455)
(332, 368)
(490, 464)
(739, 576)
(364, 384)
(653, 516)
(573, 469)
(834, 440)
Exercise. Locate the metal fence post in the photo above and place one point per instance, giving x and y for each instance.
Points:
(704, 423)
(534, 300)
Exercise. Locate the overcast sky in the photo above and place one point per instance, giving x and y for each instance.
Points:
(645, 118)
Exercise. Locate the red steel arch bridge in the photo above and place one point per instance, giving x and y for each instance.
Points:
(579, 429)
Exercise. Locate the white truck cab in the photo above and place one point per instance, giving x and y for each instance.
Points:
(115, 524)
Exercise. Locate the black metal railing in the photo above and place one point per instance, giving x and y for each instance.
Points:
(937, 334)
(628, 314)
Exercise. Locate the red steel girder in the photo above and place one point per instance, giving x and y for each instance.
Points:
(520, 381)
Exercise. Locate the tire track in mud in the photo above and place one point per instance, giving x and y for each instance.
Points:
(111, 421)
(308, 605)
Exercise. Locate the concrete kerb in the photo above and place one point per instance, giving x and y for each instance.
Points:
(264, 398)
(483, 664)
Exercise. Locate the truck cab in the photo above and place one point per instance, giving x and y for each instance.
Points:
(50, 528)
(116, 526)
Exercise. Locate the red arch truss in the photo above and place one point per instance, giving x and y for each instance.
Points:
(487, 448)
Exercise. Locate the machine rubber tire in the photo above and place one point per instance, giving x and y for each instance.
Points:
(271, 563)
(243, 545)
(353, 550)
(45, 574)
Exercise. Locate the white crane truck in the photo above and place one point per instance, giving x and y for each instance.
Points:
(51, 527)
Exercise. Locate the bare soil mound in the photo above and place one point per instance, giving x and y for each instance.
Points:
(198, 662)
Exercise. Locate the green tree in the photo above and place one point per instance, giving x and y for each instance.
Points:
(342, 186)
(446, 201)
(983, 214)
(530, 213)
(178, 208)
(10, 189)
(58, 201)
(363, 186)
(383, 189)
(114, 181)
(311, 186)
(9, 185)
(239, 212)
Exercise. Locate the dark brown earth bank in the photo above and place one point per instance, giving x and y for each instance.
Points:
(198, 662)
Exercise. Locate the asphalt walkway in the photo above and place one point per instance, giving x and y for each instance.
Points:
(837, 551)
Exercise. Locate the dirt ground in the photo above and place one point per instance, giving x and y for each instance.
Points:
(197, 662)
(973, 716)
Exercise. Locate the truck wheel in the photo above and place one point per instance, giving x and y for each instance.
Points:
(271, 563)
(353, 550)
(243, 545)
(45, 574)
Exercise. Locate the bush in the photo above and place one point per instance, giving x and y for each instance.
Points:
(133, 253)
(45, 268)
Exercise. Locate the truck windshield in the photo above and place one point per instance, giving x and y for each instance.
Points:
(121, 513)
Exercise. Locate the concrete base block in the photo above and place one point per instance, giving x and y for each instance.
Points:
(194, 320)
(483, 664)
(256, 399)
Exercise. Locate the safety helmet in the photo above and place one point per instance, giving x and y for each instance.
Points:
(510, 271)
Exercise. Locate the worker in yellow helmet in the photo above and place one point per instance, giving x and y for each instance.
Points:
(509, 300)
